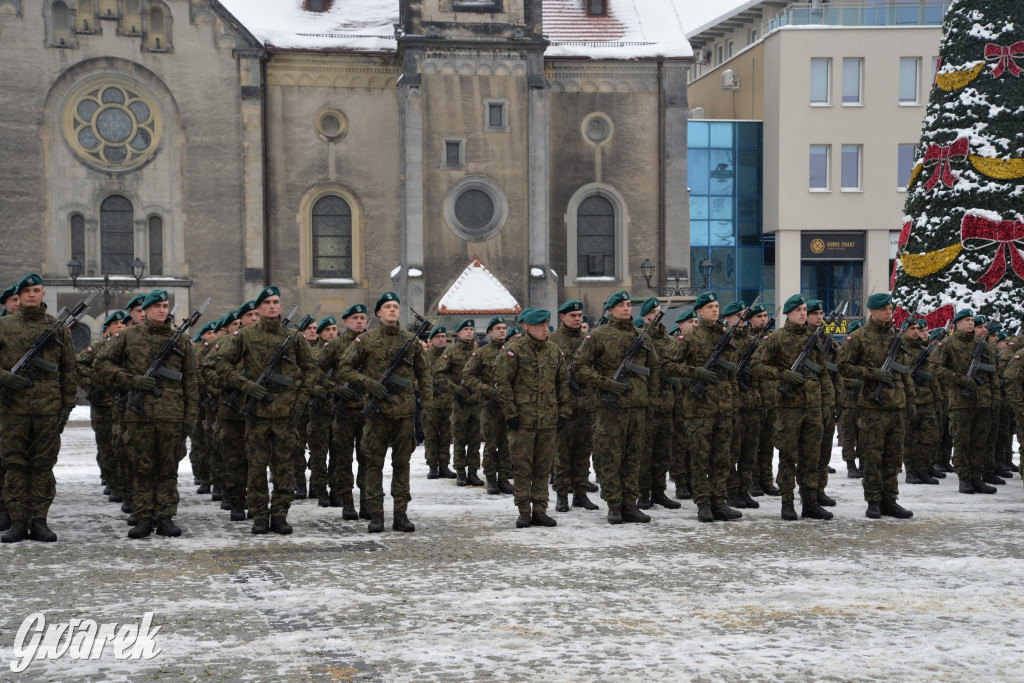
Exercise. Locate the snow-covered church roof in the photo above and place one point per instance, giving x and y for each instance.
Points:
(476, 292)
(632, 29)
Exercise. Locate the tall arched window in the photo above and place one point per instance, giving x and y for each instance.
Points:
(595, 238)
(132, 16)
(332, 238)
(117, 237)
(78, 238)
(61, 23)
(156, 245)
(157, 36)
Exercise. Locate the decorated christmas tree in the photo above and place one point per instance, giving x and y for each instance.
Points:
(963, 228)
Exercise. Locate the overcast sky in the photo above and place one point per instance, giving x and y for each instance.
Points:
(696, 13)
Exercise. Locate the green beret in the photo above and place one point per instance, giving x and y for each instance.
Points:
(436, 331)
(136, 301)
(326, 322)
(468, 322)
(934, 333)
(247, 307)
(537, 316)
(383, 299)
(686, 315)
(649, 305)
(922, 323)
(153, 297)
(980, 320)
(115, 317)
(513, 331)
(522, 313)
(229, 317)
(306, 324)
(571, 306)
(616, 298)
(638, 321)
(1002, 335)
(209, 327)
(704, 299)
(673, 332)
(855, 325)
(993, 327)
(265, 292)
(961, 314)
(8, 293)
(759, 308)
(815, 305)
(879, 300)
(29, 280)
(733, 308)
(792, 302)
(495, 321)
(586, 318)
(353, 309)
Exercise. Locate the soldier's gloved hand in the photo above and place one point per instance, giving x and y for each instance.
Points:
(492, 395)
(707, 376)
(320, 392)
(143, 383)
(560, 425)
(911, 412)
(964, 382)
(377, 390)
(62, 419)
(14, 382)
(256, 391)
(512, 423)
(461, 392)
(345, 393)
(618, 388)
(883, 377)
(794, 378)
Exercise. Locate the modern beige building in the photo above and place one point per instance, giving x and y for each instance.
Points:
(841, 89)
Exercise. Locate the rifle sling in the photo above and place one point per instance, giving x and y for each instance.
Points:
(925, 376)
(725, 365)
(400, 382)
(902, 369)
(671, 381)
(281, 380)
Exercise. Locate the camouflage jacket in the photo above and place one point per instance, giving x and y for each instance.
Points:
(598, 359)
(664, 398)
(479, 374)
(862, 353)
(329, 361)
(242, 358)
(691, 354)
(369, 354)
(927, 390)
(436, 396)
(95, 392)
(449, 374)
(533, 382)
(131, 352)
(828, 380)
(569, 341)
(50, 391)
(952, 361)
(778, 353)
(750, 399)
(1013, 376)
(208, 369)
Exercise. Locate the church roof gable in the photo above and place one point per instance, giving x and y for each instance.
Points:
(476, 291)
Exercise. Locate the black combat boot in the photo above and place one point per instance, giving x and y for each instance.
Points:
(592, 487)
(237, 513)
(444, 473)
(751, 503)
(280, 525)
(5, 520)
(733, 500)
(926, 478)
(540, 518)
(659, 498)
(432, 472)
(504, 486)
(981, 487)
(562, 503)
(300, 487)
(165, 526)
(492, 485)
(323, 498)
(460, 476)
(224, 505)
(630, 513)
(38, 531)
(115, 495)
(966, 486)
(831, 470)
(143, 528)
(913, 477)
(852, 471)
(890, 508)
(788, 511)
(348, 509)
(937, 472)
(948, 466)
(704, 514)
(203, 489)
(376, 524)
(133, 519)
(580, 500)
(770, 489)
(524, 520)
(1004, 472)
(260, 525)
(334, 500)
(645, 501)
(991, 478)
(126, 507)
(825, 500)
(874, 510)
(216, 495)
(17, 532)
(755, 490)
(402, 523)
(364, 509)
(106, 487)
(682, 491)
(473, 480)
(724, 513)
(614, 514)
(812, 510)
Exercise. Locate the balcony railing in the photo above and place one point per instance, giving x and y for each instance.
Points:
(868, 13)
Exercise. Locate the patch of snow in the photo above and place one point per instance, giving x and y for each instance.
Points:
(334, 281)
(396, 270)
(476, 289)
(536, 272)
(596, 278)
(415, 272)
(363, 25)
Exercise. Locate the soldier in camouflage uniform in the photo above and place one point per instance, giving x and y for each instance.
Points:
(798, 423)
(1013, 382)
(478, 374)
(988, 406)
(619, 424)
(848, 418)
(575, 441)
(299, 453)
(437, 411)
(318, 429)
(156, 437)
(679, 470)
(33, 415)
(8, 305)
(534, 387)
(921, 438)
(746, 425)
(881, 420)
(9, 300)
(363, 364)
(465, 405)
(816, 318)
(202, 454)
(270, 434)
(1004, 440)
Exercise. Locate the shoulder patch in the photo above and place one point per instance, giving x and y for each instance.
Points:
(473, 355)
(940, 343)
(1016, 357)
(206, 343)
(235, 333)
(848, 338)
(88, 348)
(511, 354)
(444, 355)
(357, 340)
(588, 336)
(117, 334)
(216, 346)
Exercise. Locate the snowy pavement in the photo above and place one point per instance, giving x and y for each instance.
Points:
(467, 596)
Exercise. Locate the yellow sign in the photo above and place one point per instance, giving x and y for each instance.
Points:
(838, 327)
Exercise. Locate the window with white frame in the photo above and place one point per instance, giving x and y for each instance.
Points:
(730, 46)
(852, 80)
(904, 165)
(752, 37)
(910, 68)
(720, 54)
(820, 77)
(819, 167)
(850, 167)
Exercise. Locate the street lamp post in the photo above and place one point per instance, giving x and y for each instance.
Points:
(705, 267)
(109, 289)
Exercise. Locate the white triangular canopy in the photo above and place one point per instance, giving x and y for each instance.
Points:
(476, 291)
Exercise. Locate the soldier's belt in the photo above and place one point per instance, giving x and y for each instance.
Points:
(167, 373)
(725, 365)
(281, 380)
(400, 382)
(639, 370)
(812, 366)
(902, 369)
(45, 365)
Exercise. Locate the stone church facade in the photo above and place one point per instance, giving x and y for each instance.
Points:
(225, 152)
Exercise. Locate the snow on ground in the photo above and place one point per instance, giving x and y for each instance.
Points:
(467, 596)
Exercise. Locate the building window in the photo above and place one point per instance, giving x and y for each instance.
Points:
(905, 165)
(595, 237)
(84, 18)
(909, 69)
(820, 69)
(495, 116)
(78, 238)
(475, 209)
(719, 54)
(819, 167)
(453, 153)
(332, 125)
(753, 36)
(156, 245)
(729, 47)
(117, 235)
(850, 167)
(318, 5)
(597, 8)
(852, 80)
(61, 18)
(834, 282)
(157, 31)
(332, 238)
(132, 21)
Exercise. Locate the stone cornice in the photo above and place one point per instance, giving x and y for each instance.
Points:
(332, 71)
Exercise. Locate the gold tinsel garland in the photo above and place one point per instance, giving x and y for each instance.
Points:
(999, 169)
(922, 265)
(958, 79)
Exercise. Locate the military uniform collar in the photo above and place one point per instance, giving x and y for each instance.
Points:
(881, 327)
(572, 331)
(270, 324)
(33, 313)
(391, 329)
(626, 324)
(964, 335)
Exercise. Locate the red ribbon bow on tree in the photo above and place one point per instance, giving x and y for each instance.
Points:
(1005, 56)
(941, 156)
(978, 232)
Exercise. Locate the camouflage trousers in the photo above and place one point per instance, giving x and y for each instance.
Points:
(657, 453)
(991, 414)
(881, 452)
(921, 439)
(318, 436)
(572, 459)
(496, 460)
(798, 438)
(3, 477)
(969, 430)
(155, 449)
(29, 445)
(199, 453)
(437, 431)
(346, 439)
(466, 430)
(378, 434)
(299, 450)
(125, 471)
(828, 433)
(848, 433)
(1004, 441)
(103, 428)
(1018, 417)
(532, 452)
(235, 464)
(765, 465)
(270, 442)
(944, 456)
(679, 468)
(746, 434)
(710, 444)
(214, 458)
(619, 437)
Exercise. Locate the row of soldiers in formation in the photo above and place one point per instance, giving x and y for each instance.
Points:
(704, 404)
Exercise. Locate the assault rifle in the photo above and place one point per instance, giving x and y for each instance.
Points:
(269, 376)
(388, 378)
(743, 365)
(232, 400)
(916, 373)
(627, 367)
(29, 364)
(803, 361)
(890, 364)
(715, 360)
(976, 368)
(830, 348)
(157, 369)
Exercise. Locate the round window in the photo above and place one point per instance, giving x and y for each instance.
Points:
(112, 123)
(597, 128)
(475, 209)
(331, 125)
